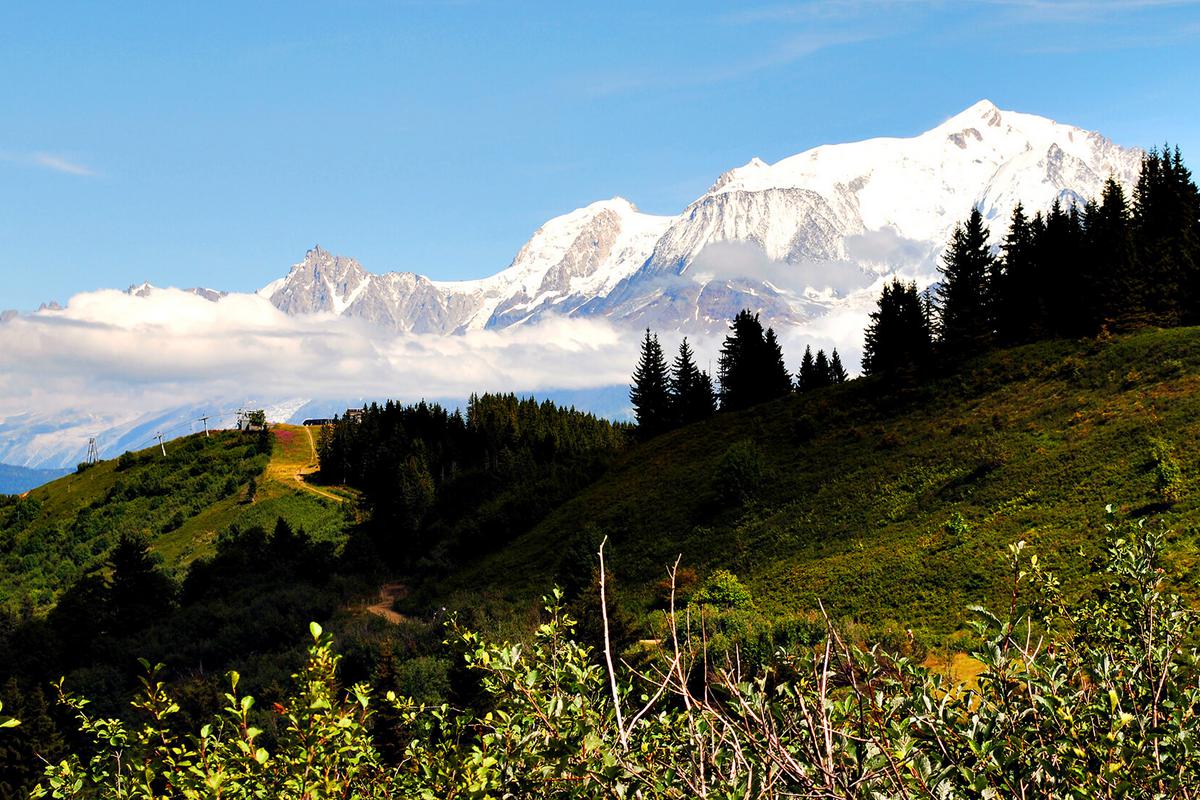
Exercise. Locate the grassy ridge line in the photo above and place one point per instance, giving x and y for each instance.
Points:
(181, 515)
(279, 494)
(294, 459)
(900, 506)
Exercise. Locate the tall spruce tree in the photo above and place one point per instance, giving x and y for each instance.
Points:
(139, 590)
(1018, 307)
(777, 379)
(822, 370)
(898, 339)
(691, 390)
(1115, 293)
(1166, 219)
(1060, 261)
(965, 296)
(650, 393)
(683, 380)
(806, 378)
(736, 365)
(751, 367)
(836, 371)
(706, 396)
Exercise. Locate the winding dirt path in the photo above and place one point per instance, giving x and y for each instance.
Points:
(389, 593)
(313, 467)
(292, 462)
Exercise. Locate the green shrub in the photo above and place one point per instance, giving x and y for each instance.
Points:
(1168, 474)
(990, 452)
(426, 679)
(722, 589)
(740, 473)
(888, 439)
(957, 526)
(804, 428)
(1071, 369)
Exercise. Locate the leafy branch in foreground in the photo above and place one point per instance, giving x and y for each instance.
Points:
(1098, 699)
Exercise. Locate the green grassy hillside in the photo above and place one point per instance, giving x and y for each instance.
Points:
(56, 532)
(896, 505)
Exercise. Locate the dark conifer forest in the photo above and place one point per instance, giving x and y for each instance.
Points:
(1118, 263)
(440, 484)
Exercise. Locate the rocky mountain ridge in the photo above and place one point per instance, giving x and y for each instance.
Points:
(826, 223)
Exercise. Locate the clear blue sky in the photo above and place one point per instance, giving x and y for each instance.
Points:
(213, 143)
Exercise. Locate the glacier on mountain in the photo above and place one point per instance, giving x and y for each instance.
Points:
(834, 219)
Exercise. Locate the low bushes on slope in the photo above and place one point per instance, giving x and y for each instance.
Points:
(1094, 700)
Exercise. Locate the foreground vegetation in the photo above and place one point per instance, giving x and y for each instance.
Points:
(1096, 699)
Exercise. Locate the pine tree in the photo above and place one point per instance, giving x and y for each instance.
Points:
(836, 371)
(1115, 292)
(751, 366)
(733, 363)
(650, 393)
(682, 380)
(778, 381)
(898, 339)
(706, 396)
(1017, 293)
(1187, 239)
(965, 297)
(139, 590)
(736, 367)
(1166, 221)
(927, 308)
(821, 368)
(691, 396)
(1060, 262)
(806, 378)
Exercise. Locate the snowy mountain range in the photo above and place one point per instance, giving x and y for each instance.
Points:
(805, 241)
(822, 224)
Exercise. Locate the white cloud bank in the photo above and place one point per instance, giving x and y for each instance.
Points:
(111, 350)
(123, 366)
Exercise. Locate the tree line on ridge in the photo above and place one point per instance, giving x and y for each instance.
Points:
(1078, 270)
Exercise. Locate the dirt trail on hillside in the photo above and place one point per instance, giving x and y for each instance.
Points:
(389, 593)
(286, 467)
(313, 467)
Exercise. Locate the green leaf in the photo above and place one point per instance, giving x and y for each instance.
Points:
(315, 629)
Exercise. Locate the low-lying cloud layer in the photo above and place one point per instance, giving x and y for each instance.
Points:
(125, 366)
(870, 254)
(111, 347)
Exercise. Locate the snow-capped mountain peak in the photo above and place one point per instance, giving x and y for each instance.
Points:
(805, 241)
(879, 204)
(321, 282)
(981, 113)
